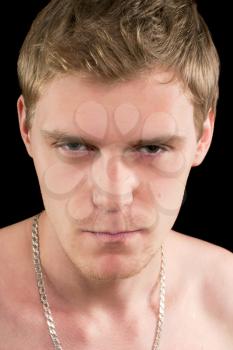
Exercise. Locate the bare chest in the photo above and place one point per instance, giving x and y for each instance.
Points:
(193, 332)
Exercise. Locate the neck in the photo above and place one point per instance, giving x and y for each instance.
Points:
(69, 289)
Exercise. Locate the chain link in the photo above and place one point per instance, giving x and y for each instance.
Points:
(41, 286)
(43, 297)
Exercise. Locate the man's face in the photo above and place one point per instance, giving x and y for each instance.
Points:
(129, 173)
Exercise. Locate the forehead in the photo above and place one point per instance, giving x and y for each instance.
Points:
(155, 99)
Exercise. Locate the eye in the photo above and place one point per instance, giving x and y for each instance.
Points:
(153, 149)
(73, 147)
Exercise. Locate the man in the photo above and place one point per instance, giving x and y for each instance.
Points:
(118, 104)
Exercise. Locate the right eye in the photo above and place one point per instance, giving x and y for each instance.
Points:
(73, 149)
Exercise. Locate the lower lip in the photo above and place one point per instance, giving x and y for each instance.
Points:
(116, 237)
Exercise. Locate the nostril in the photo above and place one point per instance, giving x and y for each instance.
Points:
(112, 203)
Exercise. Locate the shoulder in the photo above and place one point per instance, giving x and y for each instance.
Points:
(14, 236)
(15, 252)
(20, 309)
(211, 267)
(218, 285)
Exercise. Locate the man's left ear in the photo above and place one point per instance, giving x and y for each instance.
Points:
(204, 141)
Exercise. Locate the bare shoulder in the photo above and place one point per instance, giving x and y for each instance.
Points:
(20, 314)
(15, 253)
(14, 237)
(212, 267)
(218, 285)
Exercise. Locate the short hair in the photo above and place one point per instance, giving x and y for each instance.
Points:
(115, 40)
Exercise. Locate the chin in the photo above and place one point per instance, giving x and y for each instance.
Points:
(114, 268)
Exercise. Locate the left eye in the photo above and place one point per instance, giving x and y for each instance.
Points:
(152, 149)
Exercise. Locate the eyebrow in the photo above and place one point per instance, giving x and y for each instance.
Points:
(65, 137)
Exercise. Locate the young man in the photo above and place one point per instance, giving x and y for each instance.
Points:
(118, 104)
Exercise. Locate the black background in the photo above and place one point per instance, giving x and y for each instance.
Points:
(206, 212)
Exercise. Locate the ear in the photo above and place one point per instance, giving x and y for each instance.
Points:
(24, 130)
(204, 141)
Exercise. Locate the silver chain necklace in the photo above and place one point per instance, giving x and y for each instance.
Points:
(44, 300)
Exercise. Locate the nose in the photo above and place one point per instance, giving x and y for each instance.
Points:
(114, 184)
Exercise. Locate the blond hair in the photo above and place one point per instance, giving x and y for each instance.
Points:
(114, 40)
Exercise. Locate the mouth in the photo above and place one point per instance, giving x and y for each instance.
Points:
(112, 232)
(114, 236)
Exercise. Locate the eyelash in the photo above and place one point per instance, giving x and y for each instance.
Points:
(159, 148)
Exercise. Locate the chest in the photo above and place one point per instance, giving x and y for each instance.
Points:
(193, 332)
(194, 329)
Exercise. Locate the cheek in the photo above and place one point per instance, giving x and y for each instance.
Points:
(168, 183)
(63, 186)
(60, 179)
(169, 194)
(57, 177)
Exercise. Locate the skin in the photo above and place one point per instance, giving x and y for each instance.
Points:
(97, 286)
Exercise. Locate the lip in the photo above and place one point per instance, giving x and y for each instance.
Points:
(113, 233)
(114, 236)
